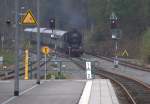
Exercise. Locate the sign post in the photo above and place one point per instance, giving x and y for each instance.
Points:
(45, 66)
(45, 50)
(88, 70)
(29, 19)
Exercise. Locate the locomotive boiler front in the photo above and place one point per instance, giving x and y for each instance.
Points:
(74, 43)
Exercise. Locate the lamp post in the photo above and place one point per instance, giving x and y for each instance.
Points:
(115, 36)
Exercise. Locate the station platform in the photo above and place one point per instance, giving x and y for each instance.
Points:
(99, 91)
(48, 92)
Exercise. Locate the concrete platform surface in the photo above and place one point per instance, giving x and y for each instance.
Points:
(49, 92)
(98, 91)
(7, 88)
(102, 92)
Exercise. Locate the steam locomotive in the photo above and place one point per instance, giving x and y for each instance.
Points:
(68, 42)
(73, 43)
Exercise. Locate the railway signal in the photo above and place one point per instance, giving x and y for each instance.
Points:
(115, 35)
(8, 22)
(52, 26)
(52, 23)
(114, 24)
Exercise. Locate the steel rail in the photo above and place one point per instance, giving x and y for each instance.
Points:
(137, 95)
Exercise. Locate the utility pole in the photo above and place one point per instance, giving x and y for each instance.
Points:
(38, 42)
(16, 85)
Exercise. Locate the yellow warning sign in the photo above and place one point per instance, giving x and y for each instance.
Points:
(125, 53)
(28, 18)
(45, 50)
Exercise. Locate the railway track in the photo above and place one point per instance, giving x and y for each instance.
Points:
(10, 73)
(124, 63)
(136, 91)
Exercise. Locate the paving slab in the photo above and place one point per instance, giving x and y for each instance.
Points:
(7, 88)
(102, 92)
(52, 92)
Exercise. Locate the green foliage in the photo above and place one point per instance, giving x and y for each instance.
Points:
(126, 7)
(99, 36)
(56, 75)
(9, 56)
(134, 19)
(146, 46)
(133, 15)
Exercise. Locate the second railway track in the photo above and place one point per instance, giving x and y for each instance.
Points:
(137, 92)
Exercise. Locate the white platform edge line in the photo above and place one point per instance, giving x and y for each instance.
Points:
(113, 93)
(86, 93)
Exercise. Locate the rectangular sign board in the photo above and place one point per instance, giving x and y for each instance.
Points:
(88, 70)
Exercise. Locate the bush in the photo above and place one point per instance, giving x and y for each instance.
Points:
(56, 75)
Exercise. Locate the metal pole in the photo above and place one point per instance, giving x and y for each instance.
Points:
(116, 56)
(2, 39)
(16, 86)
(2, 44)
(38, 42)
(60, 70)
(54, 42)
(69, 51)
(55, 46)
(45, 66)
(22, 8)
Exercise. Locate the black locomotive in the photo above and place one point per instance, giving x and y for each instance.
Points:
(68, 42)
(73, 43)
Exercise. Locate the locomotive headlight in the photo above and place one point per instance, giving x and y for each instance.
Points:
(52, 35)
